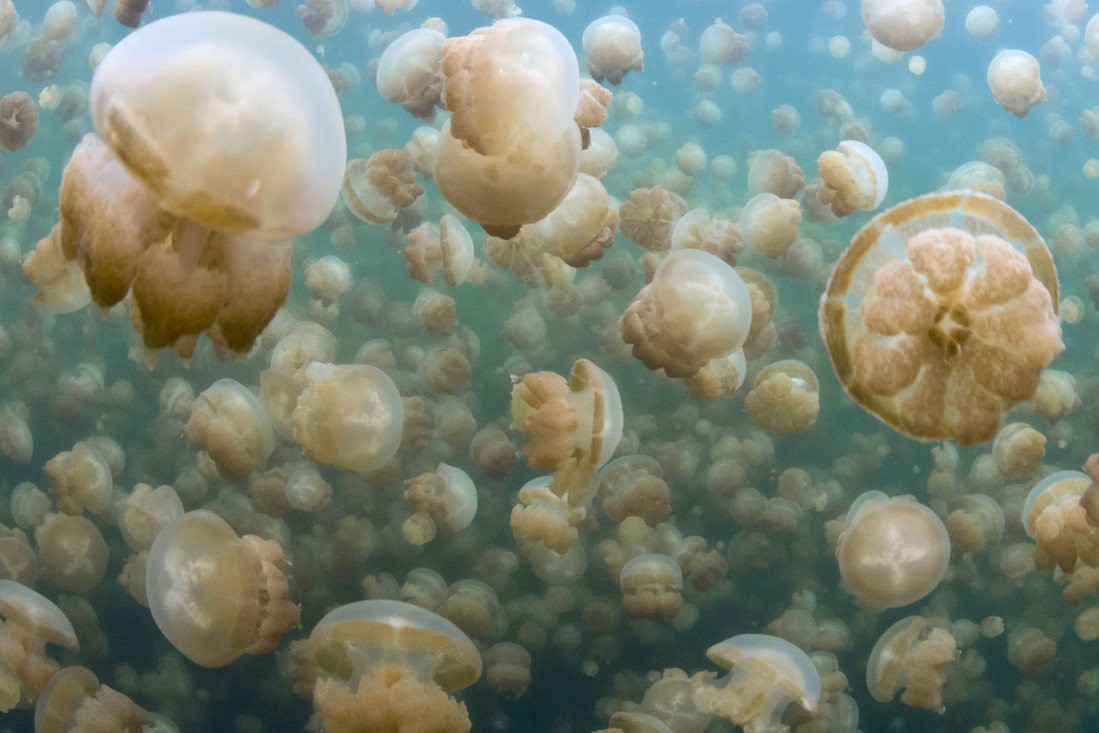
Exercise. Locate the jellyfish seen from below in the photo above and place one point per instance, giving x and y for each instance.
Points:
(612, 47)
(510, 151)
(386, 665)
(208, 155)
(1015, 80)
(941, 315)
(766, 675)
(216, 595)
(903, 25)
(893, 551)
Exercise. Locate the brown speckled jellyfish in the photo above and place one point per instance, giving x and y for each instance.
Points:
(942, 314)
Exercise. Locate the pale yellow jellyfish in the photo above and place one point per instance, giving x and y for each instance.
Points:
(216, 595)
(766, 675)
(612, 47)
(447, 249)
(652, 587)
(1015, 80)
(903, 25)
(982, 22)
(893, 551)
(75, 700)
(410, 72)
(375, 189)
(445, 499)
(386, 665)
(911, 654)
(1056, 516)
(854, 177)
(30, 620)
(942, 314)
(230, 424)
(769, 224)
(785, 397)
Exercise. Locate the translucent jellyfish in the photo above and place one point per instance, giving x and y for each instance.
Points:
(72, 553)
(375, 189)
(774, 172)
(978, 176)
(447, 497)
(410, 72)
(652, 587)
(80, 479)
(698, 229)
(903, 25)
(510, 151)
(769, 224)
(30, 620)
(1015, 80)
(982, 22)
(386, 665)
(1018, 450)
(74, 700)
(323, 18)
(911, 654)
(649, 216)
(580, 227)
(349, 414)
(720, 45)
(1055, 515)
(215, 595)
(854, 177)
(16, 439)
(1091, 36)
(574, 427)
(507, 668)
(612, 47)
(785, 397)
(634, 486)
(327, 279)
(696, 309)
(766, 675)
(230, 424)
(941, 315)
(18, 120)
(893, 551)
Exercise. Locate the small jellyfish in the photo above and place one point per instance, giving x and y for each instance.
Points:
(903, 25)
(854, 177)
(377, 188)
(18, 120)
(410, 72)
(75, 700)
(323, 18)
(30, 620)
(447, 498)
(766, 675)
(1015, 80)
(982, 22)
(216, 595)
(612, 47)
(230, 424)
(785, 397)
(769, 224)
(720, 45)
(652, 587)
(893, 551)
(954, 315)
(911, 654)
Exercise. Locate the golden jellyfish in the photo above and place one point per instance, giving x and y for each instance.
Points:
(30, 621)
(612, 47)
(350, 415)
(386, 665)
(893, 551)
(854, 177)
(942, 314)
(204, 180)
(699, 229)
(574, 427)
(80, 479)
(75, 700)
(215, 595)
(649, 216)
(1015, 80)
(769, 224)
(232, 426)
(982, 22)
(911, 655)
(72, 553)
(16, 439)
(785, 397)
(447, 498)
(978, 176)
(1056, 516)
(652, 587)
(1018, 450)
(772, 171)
(375, 189)
(18, 120)
(579, 228)
(328, 279)
(720, 45)
(511, 150)
(903, 25)
(766, 675)
(696, 309)
(507, 668)
(410, 72)
(323, 18)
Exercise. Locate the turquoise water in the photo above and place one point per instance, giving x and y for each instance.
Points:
(588, 658)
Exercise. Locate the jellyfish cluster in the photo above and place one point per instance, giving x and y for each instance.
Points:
(436, 366)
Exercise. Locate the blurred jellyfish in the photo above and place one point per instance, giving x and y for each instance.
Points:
(903, 25)
(982, 22)
(720, 45)
(927, 376)
(20, 116)
(612, 47)
(769, 224)
(1015, 81)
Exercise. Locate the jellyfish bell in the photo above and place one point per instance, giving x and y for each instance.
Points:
(911, 654)
(410, 72)
(853, 177)
(949, 378)
(903, 25)
(269, 164)
(612, 47)
(29, 621)
(893, 551)
(1015, 80)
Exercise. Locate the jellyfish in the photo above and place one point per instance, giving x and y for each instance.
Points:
(720, 45)
(231, 425)
(982, 22)
(198, 178)
(903, 25)
(323, 18)
(376, 189)
(72, 553)
(384, 664)
(507, 668)
(696, 309)
(410, 72)
(30, 621)
(447, 498)
(1015, 80)
(652, 586)
(579, 228)
(612, 47)
(216, 595)
(911, 655)
(766, 675)
(1057, 516)
(953, 320)
(893, 551)
(75, 700)
(854, 177)
(18, 120)
(769, 224)
(785, 397)
(772, 171)
(510, 151)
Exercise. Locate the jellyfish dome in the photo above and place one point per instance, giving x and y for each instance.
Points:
(941, 315)
(903, 25)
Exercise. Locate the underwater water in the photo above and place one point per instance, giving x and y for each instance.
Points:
(752, 515)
